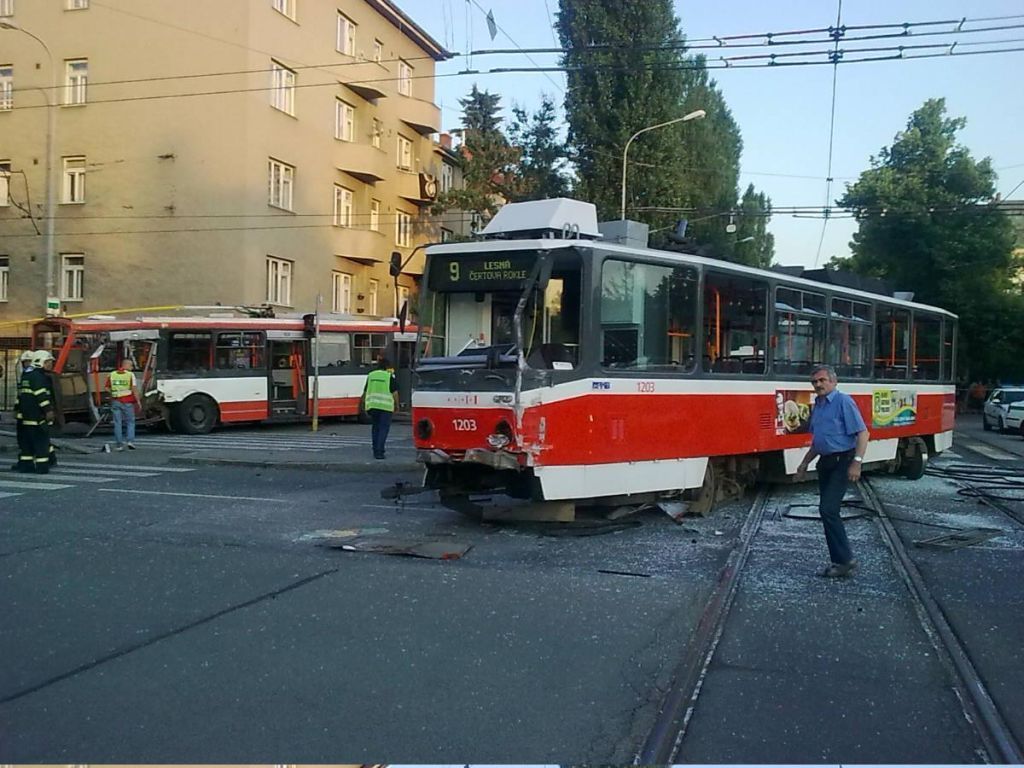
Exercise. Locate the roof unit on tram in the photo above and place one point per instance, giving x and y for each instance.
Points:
(559, 218)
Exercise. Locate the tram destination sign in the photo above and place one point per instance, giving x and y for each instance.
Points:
(481, 273)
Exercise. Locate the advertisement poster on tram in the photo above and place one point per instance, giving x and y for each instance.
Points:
(792, 411)
(893, 407)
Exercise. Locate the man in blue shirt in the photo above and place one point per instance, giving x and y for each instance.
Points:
(839, 440)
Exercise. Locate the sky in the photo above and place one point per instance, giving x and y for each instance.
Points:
(783, 113)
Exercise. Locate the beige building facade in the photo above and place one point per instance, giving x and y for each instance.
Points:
(239, 152)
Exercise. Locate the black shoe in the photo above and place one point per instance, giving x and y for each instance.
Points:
(840, 571)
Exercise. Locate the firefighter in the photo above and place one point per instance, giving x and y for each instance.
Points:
(43, 361)
(34, 414)
(24, 365)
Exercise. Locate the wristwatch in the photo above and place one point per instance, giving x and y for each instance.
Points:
(858, 459)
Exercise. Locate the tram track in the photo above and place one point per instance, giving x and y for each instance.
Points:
(979, 705)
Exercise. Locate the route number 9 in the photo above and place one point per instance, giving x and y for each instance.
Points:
(453, 271)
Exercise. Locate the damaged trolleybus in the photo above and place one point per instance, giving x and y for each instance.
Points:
(555, 365)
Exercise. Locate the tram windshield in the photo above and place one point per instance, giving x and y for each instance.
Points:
(470, 314)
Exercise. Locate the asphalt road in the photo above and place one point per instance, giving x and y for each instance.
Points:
(181, 613)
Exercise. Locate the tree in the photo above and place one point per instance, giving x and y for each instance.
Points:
(928, 224)
(754, 244)
(542, 161)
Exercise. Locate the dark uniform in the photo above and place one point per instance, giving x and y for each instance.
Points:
(34, 412)
(58, 417)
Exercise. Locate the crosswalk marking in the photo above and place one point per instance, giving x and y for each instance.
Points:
(124, 467)
(989, 451)
(38, 486)
(252, 442)
(5, 495)
(72, 474)
(192, 495)
(89, 474)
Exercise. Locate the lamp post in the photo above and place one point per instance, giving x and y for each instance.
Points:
(696, 115)
(51, 147)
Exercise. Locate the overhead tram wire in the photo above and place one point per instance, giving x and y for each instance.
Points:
(507, 35)
(837, 34)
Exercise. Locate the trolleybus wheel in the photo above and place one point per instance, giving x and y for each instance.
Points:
(196, 415)
(915, 459)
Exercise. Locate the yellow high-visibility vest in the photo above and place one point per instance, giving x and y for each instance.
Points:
(378, 391)
(121, 384)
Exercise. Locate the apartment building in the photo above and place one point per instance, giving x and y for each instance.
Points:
(242, 152)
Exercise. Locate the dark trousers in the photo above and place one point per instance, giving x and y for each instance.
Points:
(34, 448)
(381, 421)
(832, 482)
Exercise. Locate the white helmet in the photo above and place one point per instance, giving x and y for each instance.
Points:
(41, 356)
(27, 355)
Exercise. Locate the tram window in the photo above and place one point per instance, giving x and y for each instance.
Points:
(735, 324)
(335, 350)
(892, 341)
(648, 316)
(368, 347)
(555, 340)
(188, 352)
(239, 351)
(799, 341)
(849, 339)
(948, 348)
(927, 336)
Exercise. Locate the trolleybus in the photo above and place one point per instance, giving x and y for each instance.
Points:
(197, 372)
(555, 365)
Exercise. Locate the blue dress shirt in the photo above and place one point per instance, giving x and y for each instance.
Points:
(835, 423)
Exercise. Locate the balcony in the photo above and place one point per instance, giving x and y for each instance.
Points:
(363, 161)
(419, 188)
(422, 116)
(363, 246)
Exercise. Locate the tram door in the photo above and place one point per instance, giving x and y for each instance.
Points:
(287, 388)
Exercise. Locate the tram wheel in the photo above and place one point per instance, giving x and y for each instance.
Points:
(196, 415)
(915, 459)
(703, 500)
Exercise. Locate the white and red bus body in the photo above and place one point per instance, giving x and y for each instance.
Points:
(606, 370)
(210, 370)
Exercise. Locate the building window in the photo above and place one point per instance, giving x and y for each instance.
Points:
(5, 269)
(5, 183)
(447, 177)
(375, 215)
(74, 180)
(404, 153)
(403, 228)
(6, 85)
(447, 235)
(342, 206)
(346, 35)
(6, 8)
(72, 276)
(286, 7)
(281, 178)
(344, 121)
(341, 292)
(77, 5)
(371, 297)
(282, 88)
(279, 281)
(376, 131)
(76, 77)
(378, 51)
(404, 78)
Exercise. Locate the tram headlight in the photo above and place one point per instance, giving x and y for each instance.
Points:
(424, 429)
(501, 436)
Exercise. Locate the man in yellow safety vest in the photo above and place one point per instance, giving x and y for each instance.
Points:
(121, 384)
(380, 400)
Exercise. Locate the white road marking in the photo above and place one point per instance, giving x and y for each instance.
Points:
(88, 474)
(987, 450)
(400, 507)
(91, 465)
(191, 495)
(38, 486)
(5, 495)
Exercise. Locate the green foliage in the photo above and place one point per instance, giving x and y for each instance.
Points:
(927, 225)
(542, 163)
(754, 244)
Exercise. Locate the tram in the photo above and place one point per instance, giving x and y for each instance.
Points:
(199, 371)
(554, 364)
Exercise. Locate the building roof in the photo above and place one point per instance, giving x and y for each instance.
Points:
(390, 11)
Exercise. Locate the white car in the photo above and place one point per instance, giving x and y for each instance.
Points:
(1015, 417)
(997, 409)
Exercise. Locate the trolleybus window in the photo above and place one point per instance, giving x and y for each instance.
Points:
(188, 352)
(735, 321)
(892, 341)
(927, 345)
(799, 330)
(948, 348)
(648, 316)
(240, 350)
(849, 339)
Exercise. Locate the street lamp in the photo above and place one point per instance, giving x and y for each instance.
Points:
(696, 115)
(51, 147)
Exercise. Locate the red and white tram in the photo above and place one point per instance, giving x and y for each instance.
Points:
(200, 371)
(555, 365)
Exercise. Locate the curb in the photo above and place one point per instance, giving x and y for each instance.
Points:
(378, 468)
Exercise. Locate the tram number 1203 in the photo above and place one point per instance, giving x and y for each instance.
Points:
(645, 386)
(464, 425)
